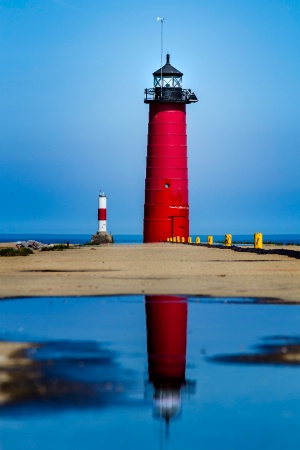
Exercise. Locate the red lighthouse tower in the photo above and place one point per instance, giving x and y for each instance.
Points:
(166, 211)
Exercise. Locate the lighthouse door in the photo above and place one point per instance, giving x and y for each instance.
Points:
(178, 226)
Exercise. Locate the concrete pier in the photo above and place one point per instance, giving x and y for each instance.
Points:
(147, 269)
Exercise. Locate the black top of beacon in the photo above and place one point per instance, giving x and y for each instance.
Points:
(168, 86)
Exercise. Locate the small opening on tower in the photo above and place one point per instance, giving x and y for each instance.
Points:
(167, 185)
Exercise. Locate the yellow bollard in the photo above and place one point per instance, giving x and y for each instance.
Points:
(182, 239)
(197, 240)
(228, 240)
(178, 238)
(190, 240)
(209, 240)
(174, 239)
(258, 240)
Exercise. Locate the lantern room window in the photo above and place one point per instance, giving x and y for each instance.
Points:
(177, 81)
(157, 81)
(168, 81)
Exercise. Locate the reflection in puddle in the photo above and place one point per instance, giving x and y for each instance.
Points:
(239, 301)
(166, 318)
(87, 372)
(61, 374)
(282, 350)
(16, 371)
(66, 374)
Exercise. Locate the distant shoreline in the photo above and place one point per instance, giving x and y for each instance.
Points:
(276, 239)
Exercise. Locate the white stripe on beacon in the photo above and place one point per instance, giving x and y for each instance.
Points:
(102, 213)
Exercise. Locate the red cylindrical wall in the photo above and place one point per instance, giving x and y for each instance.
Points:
(166, 318)
(166, 211)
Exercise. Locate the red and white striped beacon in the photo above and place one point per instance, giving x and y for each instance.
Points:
(102, 200)
(102, 237)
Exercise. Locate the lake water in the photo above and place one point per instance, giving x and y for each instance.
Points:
(151, 372)
(138, 238)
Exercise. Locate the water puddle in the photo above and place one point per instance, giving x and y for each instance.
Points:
(154, 372)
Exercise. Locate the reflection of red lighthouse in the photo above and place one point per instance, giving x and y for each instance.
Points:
(166, 318)
(166, 211)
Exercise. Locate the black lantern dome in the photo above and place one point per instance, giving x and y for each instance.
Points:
(168, 76)
(168, 86)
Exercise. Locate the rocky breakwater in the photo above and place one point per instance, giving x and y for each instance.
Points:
(102, 238)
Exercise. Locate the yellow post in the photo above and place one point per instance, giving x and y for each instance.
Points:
(182, 239)
(197, 240)
(210, 240)
(168, 239)
(178, 238)
(190, 240)
(174, 239)
(258, 240)
(228, 240)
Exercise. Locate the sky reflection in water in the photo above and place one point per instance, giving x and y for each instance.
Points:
(112, 372)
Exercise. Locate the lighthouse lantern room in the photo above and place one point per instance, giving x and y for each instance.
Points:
(166, 210)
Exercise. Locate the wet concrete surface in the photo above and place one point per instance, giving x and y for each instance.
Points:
(149, 372)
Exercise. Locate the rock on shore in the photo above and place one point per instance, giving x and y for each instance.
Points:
(102, 238)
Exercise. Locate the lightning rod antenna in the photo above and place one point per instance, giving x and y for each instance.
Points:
(161, 20)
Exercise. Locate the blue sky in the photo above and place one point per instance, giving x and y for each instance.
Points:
(73, 121)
